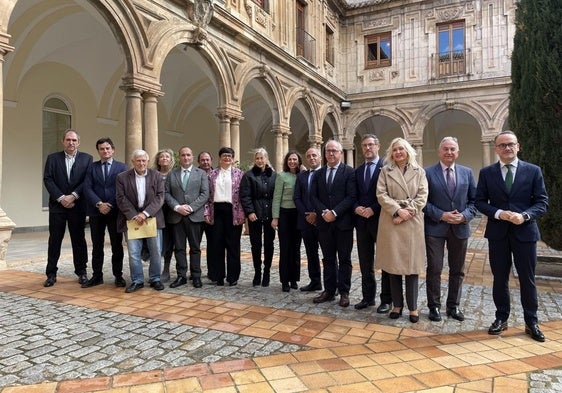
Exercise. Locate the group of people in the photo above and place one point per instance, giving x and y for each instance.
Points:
(408, 214)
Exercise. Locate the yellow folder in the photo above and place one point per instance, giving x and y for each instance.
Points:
(141, 231)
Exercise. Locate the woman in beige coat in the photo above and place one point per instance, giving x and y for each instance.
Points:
(402, 193)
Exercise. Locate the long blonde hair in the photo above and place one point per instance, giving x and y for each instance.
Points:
(409, 149)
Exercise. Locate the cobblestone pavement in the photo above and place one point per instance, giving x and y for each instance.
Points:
(43, 339)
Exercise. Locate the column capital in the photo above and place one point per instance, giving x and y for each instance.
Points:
(229, 112)
(281, 129)
(145, 86)
(5, 47)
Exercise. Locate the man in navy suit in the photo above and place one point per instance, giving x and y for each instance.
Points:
(64, 176)
(511, 193)
(367, 211)
(307, 219)
(99, 189)
(449, 209)
(333, 197)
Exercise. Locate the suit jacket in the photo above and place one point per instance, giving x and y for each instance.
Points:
(528, 194)
(97, 189)
(303, 198)
(439, 201)
(127, 198)
(367, 195)
(57, 183)
(196, 195)
(340, 197)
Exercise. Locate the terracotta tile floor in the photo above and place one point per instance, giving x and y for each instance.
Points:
(346, 356)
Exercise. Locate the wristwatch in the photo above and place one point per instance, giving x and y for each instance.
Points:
(526, 216)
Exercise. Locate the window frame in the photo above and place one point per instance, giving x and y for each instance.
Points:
(329, 55)
(452, 61)
(378, 39)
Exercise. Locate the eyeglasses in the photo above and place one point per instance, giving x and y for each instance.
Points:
(332, 151)
(503, 146)
(226, 155)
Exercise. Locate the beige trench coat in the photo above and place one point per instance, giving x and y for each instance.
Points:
(401, 247)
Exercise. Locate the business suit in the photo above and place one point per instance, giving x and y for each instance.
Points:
(366, 229)
(58, 184)
(336, 238)
(127, 198)
(507, 240)
(438, 232)
(309, 232)
(189, 227)
(99, 189)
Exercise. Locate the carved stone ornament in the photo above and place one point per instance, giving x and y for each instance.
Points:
(201, 12)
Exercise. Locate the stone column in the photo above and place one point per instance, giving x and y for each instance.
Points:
(133, 123)
(486, 149)
(277, 129)
(6, 224)
(235, 137)
(224, 130)
(349, 157)
(150, 124)
(419, 152)
(285, 144)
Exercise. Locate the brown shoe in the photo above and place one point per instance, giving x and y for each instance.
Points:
(344, 299)
(323, 297)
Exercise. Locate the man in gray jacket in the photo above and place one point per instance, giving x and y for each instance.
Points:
(187, 191)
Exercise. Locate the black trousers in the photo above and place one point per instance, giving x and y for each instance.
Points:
(187, 230)
(336, 247)
(259, 229)
(289, 246)
(312, 247)
(209, 231)
(57, 226)
(227, 243)
(411, 291)
(98, 225)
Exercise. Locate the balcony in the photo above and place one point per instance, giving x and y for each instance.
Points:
(451, 63)
(306, 46)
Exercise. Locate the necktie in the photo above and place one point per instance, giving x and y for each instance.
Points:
(310, 176)
(450, 182)
(331, 177)
(105, 170)
(368, 173)
(185, 179)
(508, 178)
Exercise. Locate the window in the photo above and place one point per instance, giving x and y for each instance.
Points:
(378, 50)
(451, 47)
(263, 4)
(56, 119)
(300, 28)
(329, 46)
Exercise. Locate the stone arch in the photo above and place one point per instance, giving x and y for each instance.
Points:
(398, 117)
(481, 116)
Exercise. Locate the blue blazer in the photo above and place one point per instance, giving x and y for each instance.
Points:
(57, 183)
(439, 201)
(367, 195)
(97, 189)
(528, 194)
(340, 197)
(303, 198)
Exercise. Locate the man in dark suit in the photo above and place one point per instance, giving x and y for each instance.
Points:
(511, 193)
(449, 209)
(205, 161)
(367, 211)
(99, 189)
(64, 176)
(307, 219)
(186, 192)
(333, 197)
(139, 196)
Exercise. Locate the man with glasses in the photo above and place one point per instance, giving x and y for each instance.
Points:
(511, 193)
(333, 197)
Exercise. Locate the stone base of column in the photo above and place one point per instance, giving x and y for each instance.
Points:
(6, 228)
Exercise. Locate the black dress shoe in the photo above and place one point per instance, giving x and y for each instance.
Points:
(396, 314)
(364, 304)
(497, 327)
(294, 285)
(134, 287)
(233, 283)
(414, 318)
(434, 314)
(92, 282)
(455, 313)
(220, 283)
(383, 308)
(285, 287)
(344, 300)
(535, 332)
(157, 285)
(82, 278)
(313, 286)
(120, 282)
(197, 283)
(323, 297)
(50, 281)
(178, 281)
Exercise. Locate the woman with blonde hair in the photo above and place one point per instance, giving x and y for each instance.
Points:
(402, 193)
